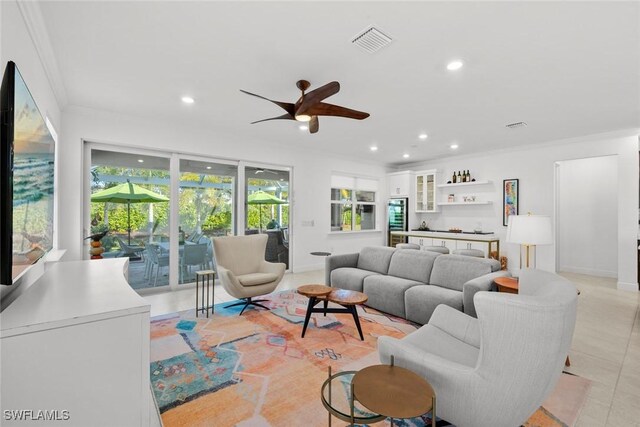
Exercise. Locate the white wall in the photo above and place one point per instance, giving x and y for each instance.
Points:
(587, 225)
(312, 171)
(534, 167)
(16, 44)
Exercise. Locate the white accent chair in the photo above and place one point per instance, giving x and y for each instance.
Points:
(242, 269)
(495, 370)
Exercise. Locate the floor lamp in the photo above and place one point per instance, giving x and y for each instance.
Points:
(529, 231)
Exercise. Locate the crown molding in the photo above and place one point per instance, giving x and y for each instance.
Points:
(32, 15)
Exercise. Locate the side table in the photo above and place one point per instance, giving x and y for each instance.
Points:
(207, 277)
(394, 392)
(507, 285)
(336, 395)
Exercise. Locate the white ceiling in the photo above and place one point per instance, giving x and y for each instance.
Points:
(566, 68)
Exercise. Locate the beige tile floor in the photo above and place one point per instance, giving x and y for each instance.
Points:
(605, 349)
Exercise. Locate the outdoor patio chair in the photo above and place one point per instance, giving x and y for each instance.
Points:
(128, 250)
(192, 255)
(158, 261)
(208, 260)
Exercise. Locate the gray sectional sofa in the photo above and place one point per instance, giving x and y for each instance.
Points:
(412, 283)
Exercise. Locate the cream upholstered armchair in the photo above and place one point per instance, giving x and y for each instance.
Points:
(242, 269)
(495, 370)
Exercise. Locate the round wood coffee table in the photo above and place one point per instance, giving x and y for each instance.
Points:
(394, 392)
(349, 300)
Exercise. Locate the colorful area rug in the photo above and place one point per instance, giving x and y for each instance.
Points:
(255, 370)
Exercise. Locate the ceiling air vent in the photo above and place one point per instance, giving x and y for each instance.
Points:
(371, 39)
(516, 125)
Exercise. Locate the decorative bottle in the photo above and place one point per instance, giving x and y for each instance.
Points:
(453, 181)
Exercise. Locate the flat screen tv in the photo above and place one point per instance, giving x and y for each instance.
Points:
(26, 179)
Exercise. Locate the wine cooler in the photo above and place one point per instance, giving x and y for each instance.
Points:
(398, 213)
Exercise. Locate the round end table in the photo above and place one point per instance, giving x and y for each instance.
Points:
(507, 284)
(395, 392)
(337, 398)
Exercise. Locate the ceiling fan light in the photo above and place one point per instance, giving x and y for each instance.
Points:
(303, 118)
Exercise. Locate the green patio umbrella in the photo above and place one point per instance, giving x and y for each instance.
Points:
(262, 198)
(128, 193)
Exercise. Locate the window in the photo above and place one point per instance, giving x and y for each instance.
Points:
(353, 204)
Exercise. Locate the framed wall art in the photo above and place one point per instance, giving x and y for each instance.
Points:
(510, 199)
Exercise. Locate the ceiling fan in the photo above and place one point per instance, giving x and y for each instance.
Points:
(309, 106)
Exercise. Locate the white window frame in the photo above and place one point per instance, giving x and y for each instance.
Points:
(354, 206)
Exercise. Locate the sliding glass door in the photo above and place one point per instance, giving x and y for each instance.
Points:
(129, 201)
(206, 210)
(267, 209)
(162, 210)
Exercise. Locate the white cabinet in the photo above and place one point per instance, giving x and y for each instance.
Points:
(399, 184)
(426, 191)
(422, 241)
(78, 340)
(441, 242)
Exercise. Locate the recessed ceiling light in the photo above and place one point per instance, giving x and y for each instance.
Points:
(454, 146)
(140, 161)
(405, 155)
(454, 65)
(373, 148)
(423, 136)
(208, 167)
(303, 127)
(188, 100)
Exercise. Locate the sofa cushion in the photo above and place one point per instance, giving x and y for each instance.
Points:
(349, 278)
(421, 301)
(453, 271)
(412, 265)
(255, 279)
(386, 293)
(375, 258)
(431, 339)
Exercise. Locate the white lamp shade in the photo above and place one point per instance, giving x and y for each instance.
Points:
(530, 230)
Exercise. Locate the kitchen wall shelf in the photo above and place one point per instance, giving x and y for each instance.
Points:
(463, 184)
(488, 202)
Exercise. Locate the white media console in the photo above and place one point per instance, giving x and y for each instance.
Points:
(77, 340)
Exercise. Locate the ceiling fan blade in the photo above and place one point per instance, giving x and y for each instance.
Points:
(286, 106)
(282, 117)
(317, 95)
(314, 125)
(324, 109)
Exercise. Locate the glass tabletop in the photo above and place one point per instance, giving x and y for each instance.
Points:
(336, 397)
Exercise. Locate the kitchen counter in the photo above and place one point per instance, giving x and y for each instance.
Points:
(449, 235)
(489, 239)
